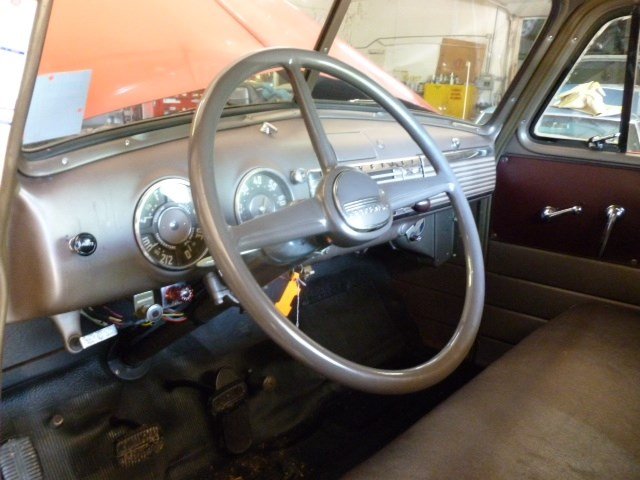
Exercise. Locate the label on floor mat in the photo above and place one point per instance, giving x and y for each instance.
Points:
(139, 445)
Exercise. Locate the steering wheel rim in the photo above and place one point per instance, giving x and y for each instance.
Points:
(226, 242)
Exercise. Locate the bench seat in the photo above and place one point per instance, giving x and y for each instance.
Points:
(562, 404)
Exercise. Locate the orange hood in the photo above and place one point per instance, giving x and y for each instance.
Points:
(151, 49)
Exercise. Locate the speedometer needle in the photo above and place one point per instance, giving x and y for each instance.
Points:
(263, 207)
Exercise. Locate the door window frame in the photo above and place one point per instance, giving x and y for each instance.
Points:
(580, 146)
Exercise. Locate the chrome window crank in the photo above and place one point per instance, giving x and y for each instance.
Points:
(549, 212)
(613, 212)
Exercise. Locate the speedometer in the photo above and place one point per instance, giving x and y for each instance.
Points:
(261, 191)
(166, 226)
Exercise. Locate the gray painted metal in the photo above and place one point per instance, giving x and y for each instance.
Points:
(223, 239)
(52, 279)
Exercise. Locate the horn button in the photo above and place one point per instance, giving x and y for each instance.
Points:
(361, 203)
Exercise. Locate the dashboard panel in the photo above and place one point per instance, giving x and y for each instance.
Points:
(114, 192)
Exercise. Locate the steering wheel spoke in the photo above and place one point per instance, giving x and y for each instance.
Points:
(304, 218)
(321, 145)
(408, 193)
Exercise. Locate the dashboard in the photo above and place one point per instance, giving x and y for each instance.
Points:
(107, 221)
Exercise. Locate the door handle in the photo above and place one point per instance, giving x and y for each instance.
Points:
(549, 212)
(613, 212)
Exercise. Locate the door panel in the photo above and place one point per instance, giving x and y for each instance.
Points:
(526, 287)
(525, 186)
(552, 154)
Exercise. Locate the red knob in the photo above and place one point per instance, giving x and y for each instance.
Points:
(179, 294)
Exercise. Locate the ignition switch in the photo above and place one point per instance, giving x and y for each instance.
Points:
(151, 313)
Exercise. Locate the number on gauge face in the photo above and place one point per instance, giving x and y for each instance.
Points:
(166, 226)
(260, 192)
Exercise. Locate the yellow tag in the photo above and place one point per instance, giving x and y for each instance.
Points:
(291, 291)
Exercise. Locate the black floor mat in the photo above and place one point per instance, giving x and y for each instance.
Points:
(347, 430)
(306, 428)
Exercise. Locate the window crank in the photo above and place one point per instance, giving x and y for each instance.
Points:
(613, 212)
(549, 212)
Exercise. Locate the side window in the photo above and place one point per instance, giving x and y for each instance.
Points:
(588, 104)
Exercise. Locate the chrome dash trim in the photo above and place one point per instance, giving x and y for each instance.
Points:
(475, 169)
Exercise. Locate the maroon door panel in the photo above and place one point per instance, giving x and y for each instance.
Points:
(525, 186)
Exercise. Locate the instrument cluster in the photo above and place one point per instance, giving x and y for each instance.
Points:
(166, 225)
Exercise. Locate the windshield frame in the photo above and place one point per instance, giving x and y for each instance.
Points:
(327, 36)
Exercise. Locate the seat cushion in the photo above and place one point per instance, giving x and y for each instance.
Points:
(564, 403)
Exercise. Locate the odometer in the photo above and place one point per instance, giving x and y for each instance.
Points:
(166, 226)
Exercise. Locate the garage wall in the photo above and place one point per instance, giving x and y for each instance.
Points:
(428, 22)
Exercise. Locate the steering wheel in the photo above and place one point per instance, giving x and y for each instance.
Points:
(349, 208)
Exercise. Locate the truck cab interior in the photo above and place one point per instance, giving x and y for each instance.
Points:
(291, 239)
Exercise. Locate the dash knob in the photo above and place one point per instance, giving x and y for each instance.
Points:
(84, 244)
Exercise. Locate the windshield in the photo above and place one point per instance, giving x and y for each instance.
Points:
(106, 64)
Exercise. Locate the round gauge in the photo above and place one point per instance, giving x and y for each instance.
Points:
(166, 225)
(261, 191)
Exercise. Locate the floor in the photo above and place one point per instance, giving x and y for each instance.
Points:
(302, 426)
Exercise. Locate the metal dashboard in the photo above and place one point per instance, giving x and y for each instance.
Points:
(96, 189)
